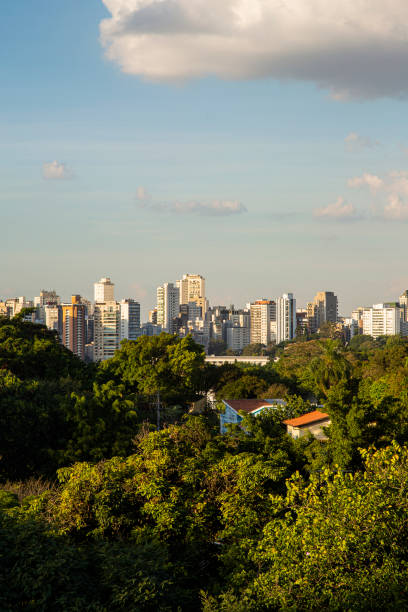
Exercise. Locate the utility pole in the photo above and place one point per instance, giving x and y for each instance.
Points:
(158, 410)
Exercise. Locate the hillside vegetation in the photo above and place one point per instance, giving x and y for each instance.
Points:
(101, 511)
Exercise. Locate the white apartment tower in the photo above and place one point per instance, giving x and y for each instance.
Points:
(168, 305)
(104, 291)
(285, 318)
(106, 330)
(382, 320)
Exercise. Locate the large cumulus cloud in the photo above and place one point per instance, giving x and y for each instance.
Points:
(354, 48)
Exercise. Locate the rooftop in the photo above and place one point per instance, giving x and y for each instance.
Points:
(252, 405)
(307, 419)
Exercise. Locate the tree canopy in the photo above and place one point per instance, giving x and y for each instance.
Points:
(101, 511)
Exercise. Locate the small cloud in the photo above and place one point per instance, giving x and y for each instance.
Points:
(396, 209)
(356, 142)
(338, 210)
(373, 182)
(391, 192)
(56, 171)
(215, 208)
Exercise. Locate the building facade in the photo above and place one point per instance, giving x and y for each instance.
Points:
(168, 305)
(104, 291)
(192, 289)
(106, 330)
(382, 320)
(129, 320)
(263, 317)
(73, 329)
(403, 302)
(285, 318)
(326, 307)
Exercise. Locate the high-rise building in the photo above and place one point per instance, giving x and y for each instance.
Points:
(403, 301)
(47, 297)
(106, 330)
(16, 305)
(73, 331)
(104, 291)
(153, 316)
(263, 317)
(238, 337)
(382, 320)
(326, 310)
(312, 318)
(151, 329)
(302, 321)
(129, 320)
(192, 289)
(285, 318)
(168, 305)
(53, 317)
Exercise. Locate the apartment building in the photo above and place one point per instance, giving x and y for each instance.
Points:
(106, 330)
(192, 289)
(168, 305)
(73, 329)
(382, 320)
(104, 291)
(129, 320)
(285, 318)
(263, 318)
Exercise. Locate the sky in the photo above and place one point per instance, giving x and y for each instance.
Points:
(260, 143)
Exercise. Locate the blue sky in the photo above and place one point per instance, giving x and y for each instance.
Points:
(282, 149)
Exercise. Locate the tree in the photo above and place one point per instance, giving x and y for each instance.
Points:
(338, 543)
(164, 364)
(329, 369)
(253, 349)
(217, 347)
(246, 387)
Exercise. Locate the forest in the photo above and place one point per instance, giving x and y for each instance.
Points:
(102, 510)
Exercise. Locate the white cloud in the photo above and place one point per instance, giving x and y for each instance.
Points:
(338, 210)
(390, 191)
(351, 47)
(356, 142)
(214, 208)
(373, 182)
(56, 171)
(396, 209)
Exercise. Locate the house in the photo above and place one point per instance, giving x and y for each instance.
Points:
(236, 409)
(312, 422)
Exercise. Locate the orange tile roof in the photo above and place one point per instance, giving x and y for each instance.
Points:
(307, 419)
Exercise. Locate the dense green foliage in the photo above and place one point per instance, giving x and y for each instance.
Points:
(184, 518)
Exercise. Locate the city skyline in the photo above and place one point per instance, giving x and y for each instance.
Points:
(288, 176)
(95, 330)
(146, 306)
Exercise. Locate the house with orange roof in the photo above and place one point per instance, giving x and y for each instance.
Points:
(312, 422)
(234, 410)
